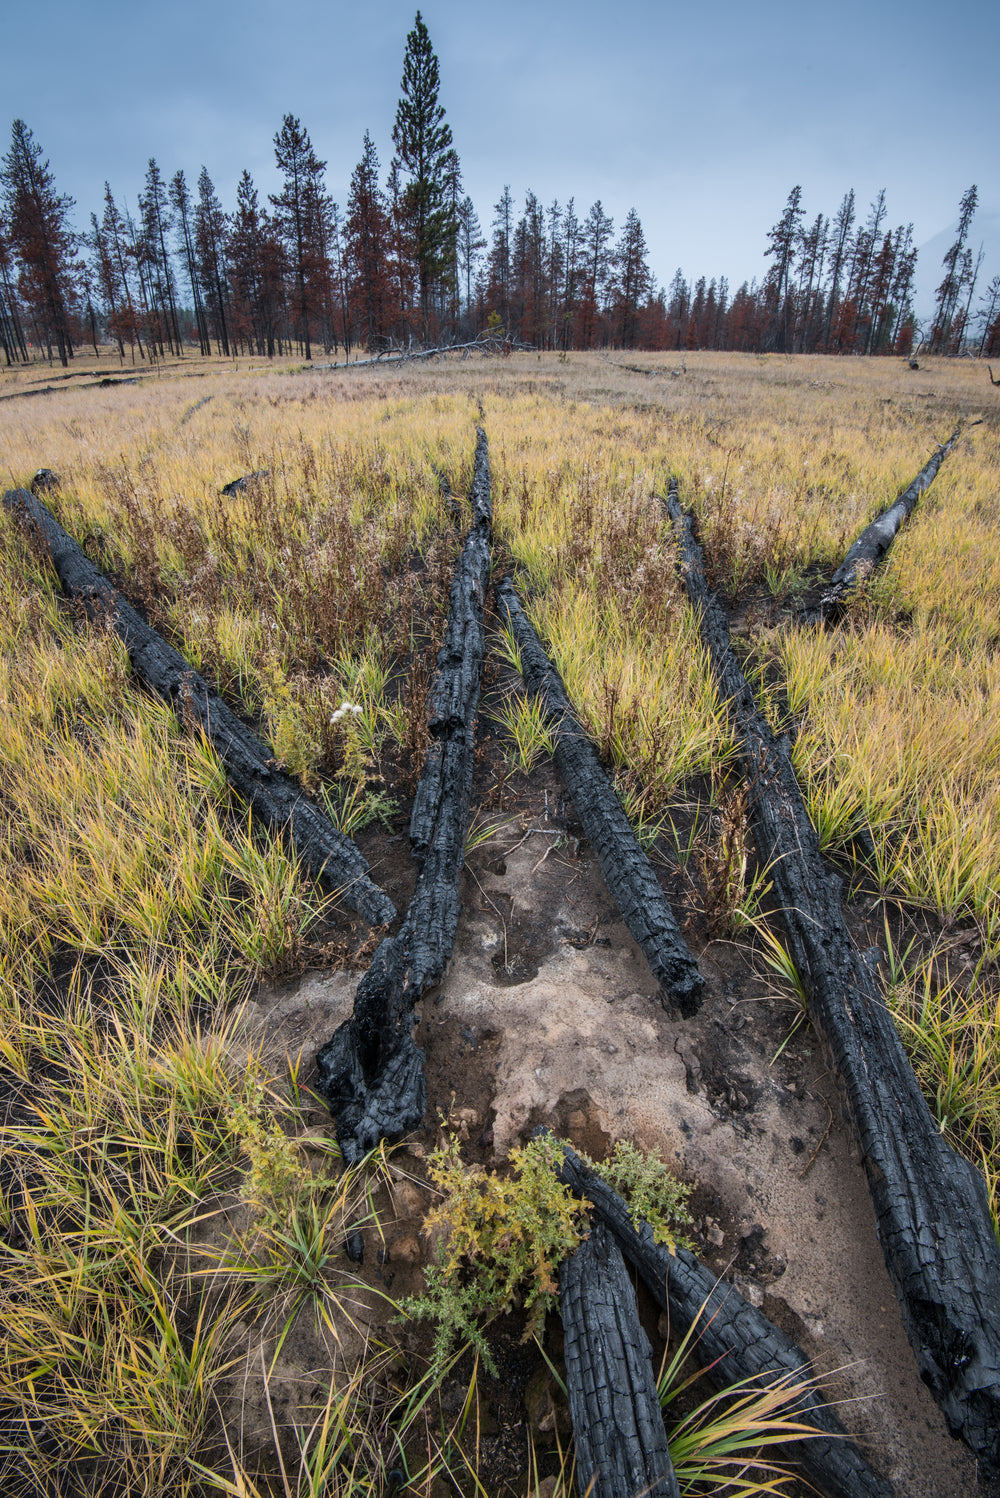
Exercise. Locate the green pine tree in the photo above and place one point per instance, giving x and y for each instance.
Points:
(424, 153)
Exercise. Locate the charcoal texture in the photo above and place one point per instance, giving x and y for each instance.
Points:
(275, 798)
(371, 1072)
(734, 1341)
(626, 869)
(932, 1214)
(621, 1441)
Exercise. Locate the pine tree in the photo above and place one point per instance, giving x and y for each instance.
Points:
(990, 318)
(571, 259)
(40, 237)
(180, 200)
(11, 334)
(155, 211)
(784, 238)
(210, 243)
(367, 237)
(501, 249)
(423, 142)
(633, 281)
(596, 242)
(300, 207)
(839, 239)
(954, 271)
(470, 242)
(125, 321)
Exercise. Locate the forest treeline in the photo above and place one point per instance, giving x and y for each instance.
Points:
(407, 261)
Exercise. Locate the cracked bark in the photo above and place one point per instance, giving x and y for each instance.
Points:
(932, 1213)
(871, 547)
(371, 1072)
(274, 797)
(621, 1441)
(734, 1340)
(626, 869)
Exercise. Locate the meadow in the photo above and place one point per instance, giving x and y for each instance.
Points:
(138, 910)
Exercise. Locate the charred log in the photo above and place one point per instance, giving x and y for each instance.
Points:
(273, 797)
(625, 867)
(621, 1441)
(245, 482)
(931, 1208)
(734, 1340)
(371, 1072)
(871, 547)
(44, 482)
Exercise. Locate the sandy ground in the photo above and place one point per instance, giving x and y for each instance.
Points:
(547, 1015)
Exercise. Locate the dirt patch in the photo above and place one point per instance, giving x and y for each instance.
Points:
(548, 1015)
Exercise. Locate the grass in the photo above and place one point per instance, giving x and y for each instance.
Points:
(158, 1196)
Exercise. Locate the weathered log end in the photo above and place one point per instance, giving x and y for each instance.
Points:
(951, 1310)
(386, 1106)
(621, 1440)
(244, 482)
(44, 482)
(872, 546)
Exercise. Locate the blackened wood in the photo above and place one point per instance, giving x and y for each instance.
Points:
(275, 798)
(246, 481)
(626, 869)
(44, 482)
(869, 550)
(734, 1341)
(932, 1213)
(371, 1072)
(618, 1429)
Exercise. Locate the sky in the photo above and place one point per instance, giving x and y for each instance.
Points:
(702, 117)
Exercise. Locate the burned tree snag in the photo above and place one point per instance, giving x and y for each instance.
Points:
(618, 1429)
(371, 1072)
(272, 796)
(734, 1341)
(871, 547)
(931, 1208)
(626, 869)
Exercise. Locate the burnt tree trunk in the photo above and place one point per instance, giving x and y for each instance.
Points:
(618, 1429)
(371, 1072)
(626, 869)
(871, 547)
(275, 798)
(932, 1213)
(734, 1341)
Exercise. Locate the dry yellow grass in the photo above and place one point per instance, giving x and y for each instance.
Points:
(122, 863)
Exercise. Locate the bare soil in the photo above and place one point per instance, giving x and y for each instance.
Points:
(548, 1014)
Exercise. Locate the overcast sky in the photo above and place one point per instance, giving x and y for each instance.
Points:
(702, 117)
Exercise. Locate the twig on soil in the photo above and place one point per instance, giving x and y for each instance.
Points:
(826, 1134)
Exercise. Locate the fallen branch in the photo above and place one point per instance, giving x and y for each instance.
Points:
(371, 1072)
(273, 797)
(489, 345)
(734, 1341)
(869, 550)
(931, 1208)
(618, 1429)
(626, 869)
